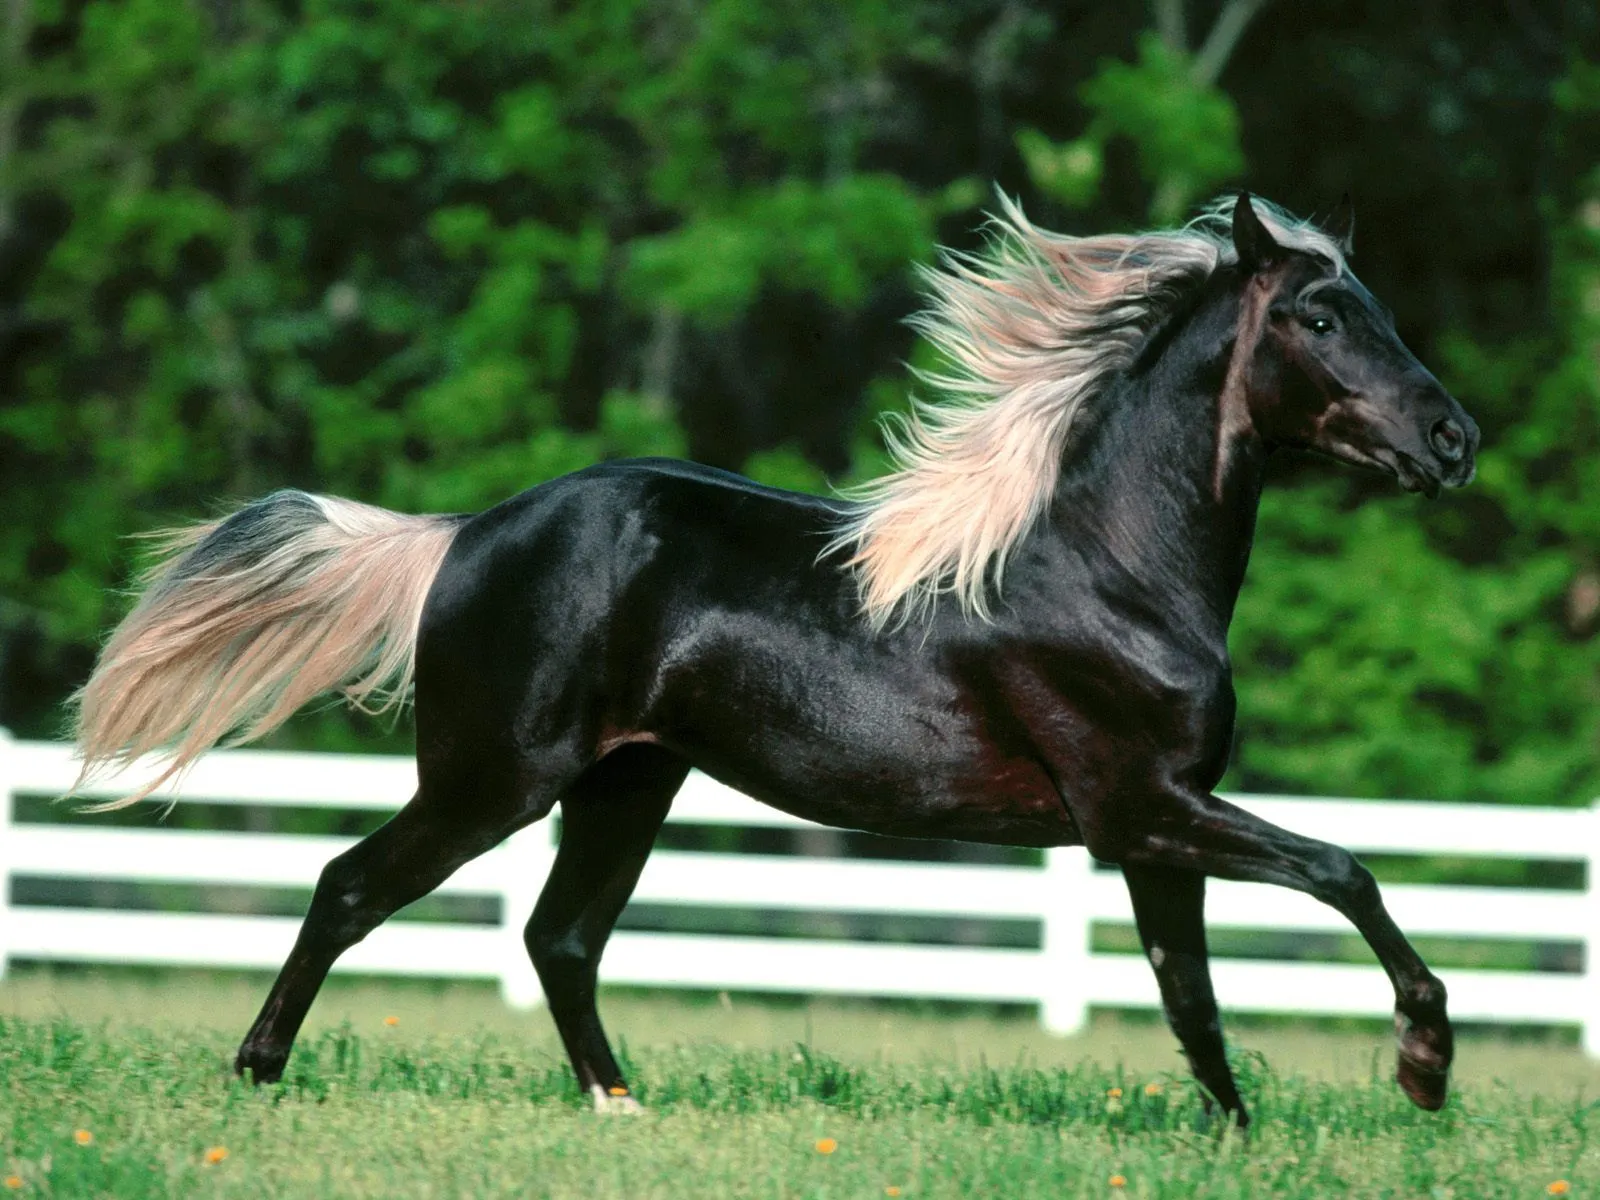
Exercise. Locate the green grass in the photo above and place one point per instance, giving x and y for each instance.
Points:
(464, 1099)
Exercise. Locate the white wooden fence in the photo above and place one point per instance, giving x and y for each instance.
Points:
(1065, 896)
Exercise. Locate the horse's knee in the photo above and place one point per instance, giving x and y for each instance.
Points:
(1338, 878)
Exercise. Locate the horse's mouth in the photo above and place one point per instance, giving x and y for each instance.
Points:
(1415, 477)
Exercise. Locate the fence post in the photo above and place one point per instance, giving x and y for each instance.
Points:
(1591, 935)
(1064, 990)
(525, 861)
(8, 777)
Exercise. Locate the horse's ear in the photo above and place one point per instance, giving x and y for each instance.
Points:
(1341, 226)
(1251, 238)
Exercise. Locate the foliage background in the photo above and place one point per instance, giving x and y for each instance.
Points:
(427, 255)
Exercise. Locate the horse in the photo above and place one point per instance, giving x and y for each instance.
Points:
(1018, 635)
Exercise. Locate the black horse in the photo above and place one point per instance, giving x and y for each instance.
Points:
(1104, 422)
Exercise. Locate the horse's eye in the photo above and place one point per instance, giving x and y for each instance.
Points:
(1320, 326)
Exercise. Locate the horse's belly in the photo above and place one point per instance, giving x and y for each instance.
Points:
(1011, 803)
(848, 735)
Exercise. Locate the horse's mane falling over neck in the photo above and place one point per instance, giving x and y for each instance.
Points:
(1032, 329)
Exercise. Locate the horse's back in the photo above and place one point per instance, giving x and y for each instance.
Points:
(579, 594)
(590, 535)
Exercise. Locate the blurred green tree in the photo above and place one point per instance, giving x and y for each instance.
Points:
(1453, 655)
(1183, 127)
(430, 255)
(426, 256)
(1381, 651)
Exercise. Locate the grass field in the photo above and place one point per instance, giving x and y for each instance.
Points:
(459, 1097)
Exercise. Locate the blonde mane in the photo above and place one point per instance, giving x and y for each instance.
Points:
(1031, 329)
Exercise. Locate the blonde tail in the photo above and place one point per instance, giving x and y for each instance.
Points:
(246, 619)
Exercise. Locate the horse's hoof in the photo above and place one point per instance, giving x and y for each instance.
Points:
(1423, 1067)
(1427, 1085)
(260, 1066)
(613, 1103)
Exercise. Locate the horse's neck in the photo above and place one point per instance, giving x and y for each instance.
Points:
(1163, 489)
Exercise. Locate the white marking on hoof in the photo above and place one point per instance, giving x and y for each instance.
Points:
(1157, 957)
(605, 1102)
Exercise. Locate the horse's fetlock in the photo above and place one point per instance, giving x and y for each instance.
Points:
(1426, 995)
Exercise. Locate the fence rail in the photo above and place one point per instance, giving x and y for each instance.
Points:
(1065, 896)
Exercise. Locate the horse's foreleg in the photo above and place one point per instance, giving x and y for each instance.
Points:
(1169, 906)
(609, 822)
(400, 862)
(1218, 838)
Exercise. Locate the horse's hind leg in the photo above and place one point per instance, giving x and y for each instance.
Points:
(404, 860)
(609, 821)
(1169, 907)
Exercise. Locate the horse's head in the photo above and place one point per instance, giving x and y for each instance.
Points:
(1329, 373)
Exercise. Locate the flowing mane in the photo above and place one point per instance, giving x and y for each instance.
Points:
(1031, 328)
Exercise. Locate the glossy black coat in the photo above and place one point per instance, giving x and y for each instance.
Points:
(588, 641)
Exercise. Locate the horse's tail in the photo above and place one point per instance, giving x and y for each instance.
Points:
(246, 619)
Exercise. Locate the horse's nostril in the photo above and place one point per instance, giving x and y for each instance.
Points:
(1449, 439)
